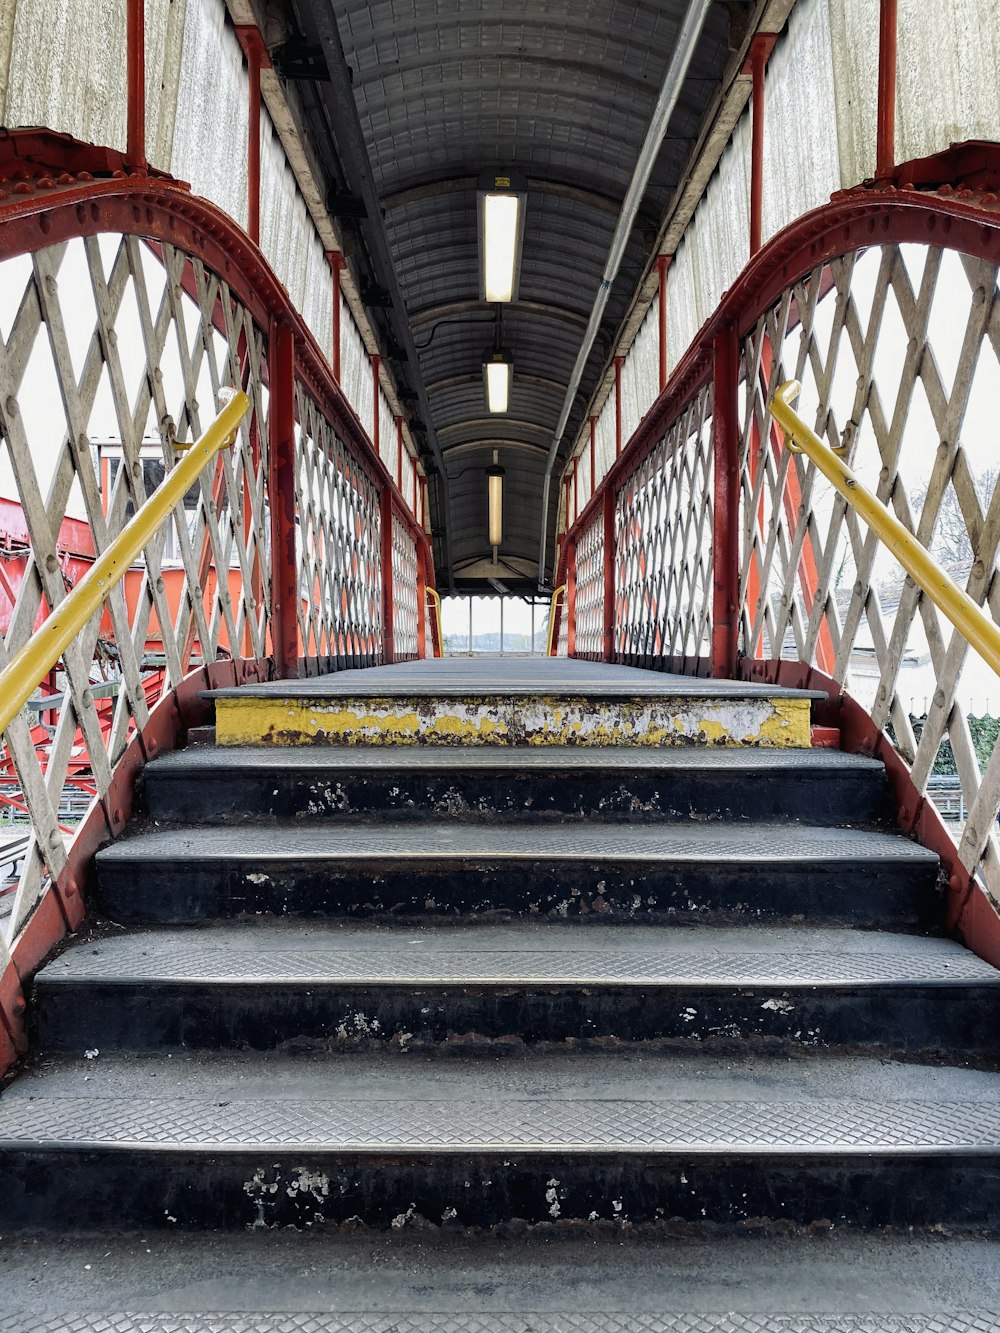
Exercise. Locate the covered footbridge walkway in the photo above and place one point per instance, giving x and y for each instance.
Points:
(676, 322)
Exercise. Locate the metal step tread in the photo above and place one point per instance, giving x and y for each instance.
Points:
(279, 953)
(441, 840)
(413, 1106)
(488, 677)
(668, 760)
(624, 1321)
(619, 1282)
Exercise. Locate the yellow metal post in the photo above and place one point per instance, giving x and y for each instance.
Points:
(970, 621)
(39, 655)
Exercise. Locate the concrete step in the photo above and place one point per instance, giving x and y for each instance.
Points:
(264, 986)
(234, 783)
(719, 872)
(219, 1141)
(497, 702)
(609, 1280)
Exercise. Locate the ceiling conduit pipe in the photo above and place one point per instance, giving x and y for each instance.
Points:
(673, 81)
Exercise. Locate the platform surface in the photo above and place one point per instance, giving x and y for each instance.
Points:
(485, 677)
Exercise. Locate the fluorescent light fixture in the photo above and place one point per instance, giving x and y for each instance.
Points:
(498, 371)
(495, 483)
(501, 200)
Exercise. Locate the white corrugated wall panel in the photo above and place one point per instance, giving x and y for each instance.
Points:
(210, 130)
(387, 433)
(801, 147)
(606, 436)
(318, 308)
(355, 368)
(721, 239)
(682, 304)
(164, 47)
(286, 229)
(854, 48)
(641, 373)
(68, 69)
(948, 75)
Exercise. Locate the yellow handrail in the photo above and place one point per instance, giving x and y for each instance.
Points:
(552, 616)
(433, 592)
(974, 626)
(40, 654)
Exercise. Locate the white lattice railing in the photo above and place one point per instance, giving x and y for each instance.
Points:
(115, 352)
(898, 349)
(733, 556)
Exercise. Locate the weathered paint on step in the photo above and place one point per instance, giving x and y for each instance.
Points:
(503, 720)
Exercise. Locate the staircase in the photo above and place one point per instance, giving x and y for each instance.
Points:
(441, 951)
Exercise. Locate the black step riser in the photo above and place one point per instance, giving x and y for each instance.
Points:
(928, 1020)
(882, 894)
(166, 1189)
(808, 796)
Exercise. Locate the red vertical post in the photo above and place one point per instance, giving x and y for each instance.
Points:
(257, 59)
(760, 49)
(253, 146)
(593, 455)
(336, 262)
(885, 138)
(423, 503)
(399, 454)
(281, 485)
(609, 574)
(569, 605)
(421, 599)
(135, 60)
(726, 504)
(618, 405)
(662, 265)
(567, 482)
(385, 532)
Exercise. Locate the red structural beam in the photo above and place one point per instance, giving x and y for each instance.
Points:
(336, 262)
(885, 138)
(619, 362)
(662, 266)
(385, 531)
(608, 515)
(281, 485)
(135, 61)
(760, 49)
(725, 503)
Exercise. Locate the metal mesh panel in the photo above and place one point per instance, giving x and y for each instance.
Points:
(663, 544)
(404, 591)
(590, 591)
(340, 566)
(898, 351)
(112, 356)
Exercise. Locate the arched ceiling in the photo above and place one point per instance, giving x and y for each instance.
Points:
(561, 92)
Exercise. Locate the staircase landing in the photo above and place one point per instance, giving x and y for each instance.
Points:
(511, 701)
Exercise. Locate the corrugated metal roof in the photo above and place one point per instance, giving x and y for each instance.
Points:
(563, 94)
